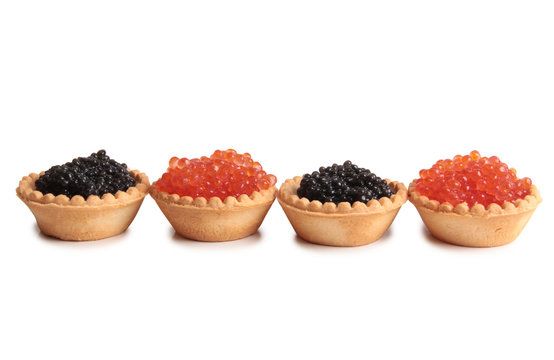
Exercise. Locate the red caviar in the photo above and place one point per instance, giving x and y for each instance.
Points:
(224, 173)
(472, 179)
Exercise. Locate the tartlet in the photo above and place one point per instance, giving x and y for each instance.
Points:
(77, 218)
(477, 226)
(213, 219)
(344, 224)
(223, 197)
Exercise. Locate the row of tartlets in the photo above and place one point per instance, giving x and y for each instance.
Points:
(468, 200)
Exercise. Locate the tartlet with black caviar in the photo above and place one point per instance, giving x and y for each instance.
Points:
(341, 205)
(89, 198)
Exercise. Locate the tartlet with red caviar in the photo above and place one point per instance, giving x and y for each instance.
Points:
(87, 199)
(474, 201)
(222, 197)
(341, 205)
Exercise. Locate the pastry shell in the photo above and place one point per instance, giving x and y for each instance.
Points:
(78, 219)
(343, 224)
(213, 219)
(477, 226)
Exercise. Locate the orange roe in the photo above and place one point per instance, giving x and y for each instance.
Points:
(472, 179)
(224, 173)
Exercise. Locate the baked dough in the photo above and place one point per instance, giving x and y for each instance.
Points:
(476, 226)
(344, 224)
(214, 219)
(78, 219)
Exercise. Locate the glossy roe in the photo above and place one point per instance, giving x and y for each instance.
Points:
(472, 179)
(224, 173)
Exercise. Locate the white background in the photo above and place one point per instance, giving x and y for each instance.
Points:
(391, 85)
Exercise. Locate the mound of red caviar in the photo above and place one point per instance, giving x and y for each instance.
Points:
(224, 173)
(472, 179)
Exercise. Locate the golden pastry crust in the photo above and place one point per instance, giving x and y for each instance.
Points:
(213, 219)
(343, 224)
(77, 218)
(477, 226)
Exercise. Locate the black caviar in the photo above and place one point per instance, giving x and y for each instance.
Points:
(93, 175)
(343, 183)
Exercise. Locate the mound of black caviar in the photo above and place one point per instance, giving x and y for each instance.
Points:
(93, 175)
(343, 183)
